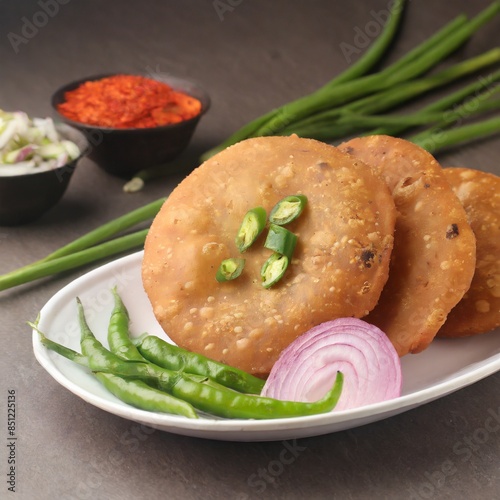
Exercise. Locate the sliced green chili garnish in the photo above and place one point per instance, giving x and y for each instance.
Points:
(281, 240)
(288, 209)
(273, 269)
(253, 224)
(229, 269)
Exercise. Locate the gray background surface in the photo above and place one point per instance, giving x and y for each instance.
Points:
(252, 57)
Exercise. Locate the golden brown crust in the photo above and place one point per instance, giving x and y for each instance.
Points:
(339, 268)
(434, 249)
(479, 309)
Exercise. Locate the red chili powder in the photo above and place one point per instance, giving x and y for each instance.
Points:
(128, 101)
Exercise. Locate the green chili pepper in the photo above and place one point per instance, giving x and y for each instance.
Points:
(273, 269)
(281, 240)
(253, 224)
(134, 392)
(66, 352)
(232, 404)
(208, 397)
(172, 357)
(229, 269)
(139, 394)
(118, 331)
(288, 209)
(91, 347)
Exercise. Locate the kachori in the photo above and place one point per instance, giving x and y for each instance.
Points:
(479, 309)
(433, 260)
(340, 264)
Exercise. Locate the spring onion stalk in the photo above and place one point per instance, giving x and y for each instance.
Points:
(443, 49)
(369, 59)
(418, 61)
(481, 86)
(424, 118)
(421, 49)
(108, 230)
(459, 113)
(353, 123)
(408, 90)
(378, 48)
(411, 56)
(434, 140)
(391, 97)
(467, 110)
(471, 108)
(361, 87)
(74, 260)
(427, 45)
(98, 235)
(137, 182)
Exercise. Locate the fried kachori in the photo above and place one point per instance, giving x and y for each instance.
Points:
(433, 259)
(340, 264)
(479, 309)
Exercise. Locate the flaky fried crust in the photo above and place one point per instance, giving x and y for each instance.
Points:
(433, 260)
(479, 309)
(340, 265)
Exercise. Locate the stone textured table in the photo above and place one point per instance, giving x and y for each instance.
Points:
(250, 56)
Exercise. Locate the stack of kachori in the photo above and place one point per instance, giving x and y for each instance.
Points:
(434, 250)
(383, 237)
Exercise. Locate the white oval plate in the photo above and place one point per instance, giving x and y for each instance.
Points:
(446, 366)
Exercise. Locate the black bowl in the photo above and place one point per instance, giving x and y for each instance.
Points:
(123, 152)
(24, 198)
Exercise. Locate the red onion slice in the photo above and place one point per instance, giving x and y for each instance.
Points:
(306, 369)
(24, 153)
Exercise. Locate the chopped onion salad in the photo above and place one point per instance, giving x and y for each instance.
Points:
(31, 145)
